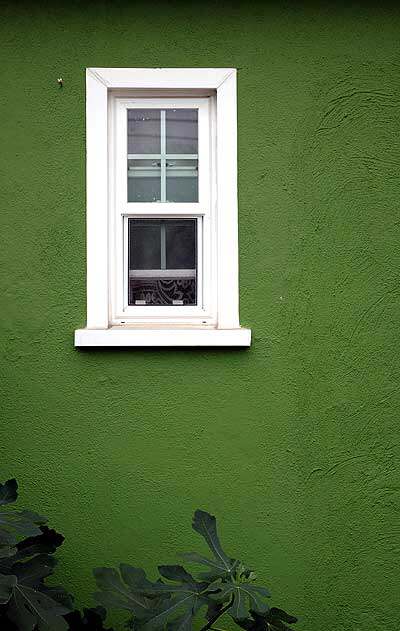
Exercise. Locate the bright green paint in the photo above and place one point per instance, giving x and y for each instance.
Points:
(294, 444)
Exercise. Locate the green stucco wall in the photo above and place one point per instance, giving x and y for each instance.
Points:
(294, 443)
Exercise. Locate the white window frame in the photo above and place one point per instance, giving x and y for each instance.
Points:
(205, 312)
(106, 325)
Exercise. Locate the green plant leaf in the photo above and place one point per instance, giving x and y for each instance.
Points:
(133, 576)
(282, 615)
(177, 573)
(181, 623)
(115, 594)
(222, 565)
(217, 569)
(60, 595)
(184, 600)
(6, 587)
(277, 619)
(273, 620)
(225, 593)
(213, 609)
(45, 543)
(206, 525)
(246, 597)
(30, 609)
(33, 605)
(257, 596)
(34, 570)
(6, 551)
(8, 492)
(172, 602)
(18, 523)
(90, 620)
(31, 516)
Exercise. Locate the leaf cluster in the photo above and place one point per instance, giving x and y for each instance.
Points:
(27, 548)
(176, 601)
(173, 602)
(27, 603)
(88, 620)
(273, 620)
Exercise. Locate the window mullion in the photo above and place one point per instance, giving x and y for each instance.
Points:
(163, 138)
(163, 248)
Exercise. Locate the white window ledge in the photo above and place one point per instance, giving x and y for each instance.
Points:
(116, 336)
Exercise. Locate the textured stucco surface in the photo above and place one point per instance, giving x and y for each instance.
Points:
(294, 443)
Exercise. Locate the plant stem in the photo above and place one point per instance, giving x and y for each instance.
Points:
(214, 618)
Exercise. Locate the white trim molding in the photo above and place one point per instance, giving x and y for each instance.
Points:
(119, 336)
(104, 87)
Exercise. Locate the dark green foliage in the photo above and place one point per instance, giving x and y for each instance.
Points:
(15, 523)
(173, 602)
(89, 620)
(8, 492)
(26, 602)
(273, 620)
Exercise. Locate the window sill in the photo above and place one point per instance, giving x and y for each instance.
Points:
(117, 336)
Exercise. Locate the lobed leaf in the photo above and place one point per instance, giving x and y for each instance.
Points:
(277, 619)
(8, 492)
(18, 523)
(182, 622)
(91, 619)
(7, 584)
(217, 568)
(29, 609)
(246, 597)
(7, 551)
(33, 571)
(274, 620)
(177, 573)
(115, 594)
(46, 543)
(282, 615)
(60, 595)
(213, 609)
(152, 604)
(133, 576)
(206, 525)
(187, 601)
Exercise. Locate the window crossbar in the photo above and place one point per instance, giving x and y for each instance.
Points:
(162, 273)
(168, 156)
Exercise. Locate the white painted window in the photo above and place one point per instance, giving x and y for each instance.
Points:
(162, 246)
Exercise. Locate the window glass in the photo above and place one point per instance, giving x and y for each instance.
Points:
(162, 260)
(180, 244)
(163, 155)
(182, 181)
(144, 245)
(181, 128)
(144, 131)
(144, 180)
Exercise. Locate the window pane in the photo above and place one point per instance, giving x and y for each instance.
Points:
(182, 180)
(163, 137)
(144, 244)
(144, 131)
(144, 181)
(181, 241)
(182, 134)
(162, 257)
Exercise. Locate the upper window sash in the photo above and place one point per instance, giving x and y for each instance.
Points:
(125, 207)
